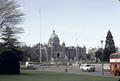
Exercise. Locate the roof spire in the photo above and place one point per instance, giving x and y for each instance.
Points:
(53, 31)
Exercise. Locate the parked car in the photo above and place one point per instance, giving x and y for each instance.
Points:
(29, 64)
(87, 67)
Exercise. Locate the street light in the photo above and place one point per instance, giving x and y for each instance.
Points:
(66, 63)
(102, 59)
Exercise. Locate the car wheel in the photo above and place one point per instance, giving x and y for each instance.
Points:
(82, 70)
(93, 70)
(88, 70)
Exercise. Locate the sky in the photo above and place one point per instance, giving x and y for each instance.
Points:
(76, 22)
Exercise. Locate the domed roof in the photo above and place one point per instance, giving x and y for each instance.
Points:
(54, 39)
(54, 35)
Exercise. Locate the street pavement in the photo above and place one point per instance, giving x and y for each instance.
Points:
(73, 70)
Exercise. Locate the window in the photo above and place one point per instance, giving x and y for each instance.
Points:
(115, 56)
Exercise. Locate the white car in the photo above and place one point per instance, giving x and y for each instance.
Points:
(29, 64)
(87, 67)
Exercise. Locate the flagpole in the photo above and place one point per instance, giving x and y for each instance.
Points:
(40, 56)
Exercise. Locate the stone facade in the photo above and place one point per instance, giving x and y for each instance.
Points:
(53, 51)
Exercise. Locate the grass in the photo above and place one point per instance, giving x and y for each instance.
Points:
(34, 75)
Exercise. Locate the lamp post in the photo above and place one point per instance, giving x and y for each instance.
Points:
(66, 63)
(102, 59)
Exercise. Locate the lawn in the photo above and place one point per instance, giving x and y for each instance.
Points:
(34, 75)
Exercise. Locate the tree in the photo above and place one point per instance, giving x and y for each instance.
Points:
(98, 55)
(9, 38)
(30, 53)
(27, 52)
(109, 47)
(10, 14)
(9, 62)
(10, 17)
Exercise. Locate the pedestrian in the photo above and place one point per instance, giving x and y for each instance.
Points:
(66, 70)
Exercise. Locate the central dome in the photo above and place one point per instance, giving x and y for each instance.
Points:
(54, 39)
(53, 36)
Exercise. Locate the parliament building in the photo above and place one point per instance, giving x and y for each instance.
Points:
(54, 52)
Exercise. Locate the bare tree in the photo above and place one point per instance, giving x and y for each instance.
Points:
(10, 17)
(10, 14)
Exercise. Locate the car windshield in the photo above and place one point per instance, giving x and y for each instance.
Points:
(30, 63)
(88, 65)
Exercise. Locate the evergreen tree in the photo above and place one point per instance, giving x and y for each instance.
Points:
(10, 17)
(109, 47)
(9, 38)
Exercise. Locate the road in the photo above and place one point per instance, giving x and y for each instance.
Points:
(74, 70)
